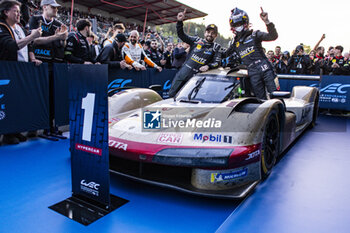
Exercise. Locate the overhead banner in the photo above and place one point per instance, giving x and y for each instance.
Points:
(88, 116)
(24, 97)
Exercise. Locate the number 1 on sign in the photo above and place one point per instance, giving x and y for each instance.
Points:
(88, 104)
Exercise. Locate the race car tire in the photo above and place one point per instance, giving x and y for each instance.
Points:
(315, 111)
(270, 144)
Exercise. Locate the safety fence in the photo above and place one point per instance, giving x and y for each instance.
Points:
(25, 91)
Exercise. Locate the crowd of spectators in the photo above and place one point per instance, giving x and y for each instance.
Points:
(317, 62)
(45, 38)
(167, 54)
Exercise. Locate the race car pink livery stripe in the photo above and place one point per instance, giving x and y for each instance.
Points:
(190, 156)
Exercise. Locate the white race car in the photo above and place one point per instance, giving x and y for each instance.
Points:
(213, 139)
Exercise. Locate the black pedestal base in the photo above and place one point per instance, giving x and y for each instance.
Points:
(84, 212)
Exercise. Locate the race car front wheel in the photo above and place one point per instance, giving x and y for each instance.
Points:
(270, 144)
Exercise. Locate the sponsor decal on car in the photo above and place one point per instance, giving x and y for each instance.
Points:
(88, 149)
(117, 145)
(170, 138)
(91, 187)
(114, 120)
(218, 177)
(212, 138)
(232, 104)
(253, 155)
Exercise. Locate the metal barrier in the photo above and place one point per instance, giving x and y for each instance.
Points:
(299, 77)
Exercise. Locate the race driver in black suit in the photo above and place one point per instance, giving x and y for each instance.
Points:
(247, 44)
(204, 54)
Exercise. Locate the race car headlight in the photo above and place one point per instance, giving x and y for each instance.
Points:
(198, 157)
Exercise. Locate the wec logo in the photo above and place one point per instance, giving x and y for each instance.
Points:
(3, 83)
(167, 85)
(91, 185)
(335, 87)
(118, 83)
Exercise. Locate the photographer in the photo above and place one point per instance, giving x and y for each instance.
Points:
(299, 63)
(282, 64)
(179, 54)
(168, 56)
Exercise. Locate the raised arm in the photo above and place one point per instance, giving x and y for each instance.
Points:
(271, 30)
(319, 42)
(180, 29)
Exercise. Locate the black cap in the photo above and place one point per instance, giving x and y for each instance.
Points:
(121, 37)
(212, 27)
(299, 48)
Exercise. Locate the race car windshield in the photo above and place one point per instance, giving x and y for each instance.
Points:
(209, 89)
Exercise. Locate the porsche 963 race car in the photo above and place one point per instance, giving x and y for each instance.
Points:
(213, 139)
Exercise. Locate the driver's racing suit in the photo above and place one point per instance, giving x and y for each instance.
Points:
(201, 53)
(260, 70)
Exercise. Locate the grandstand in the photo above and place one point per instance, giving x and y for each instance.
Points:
(141, 15)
